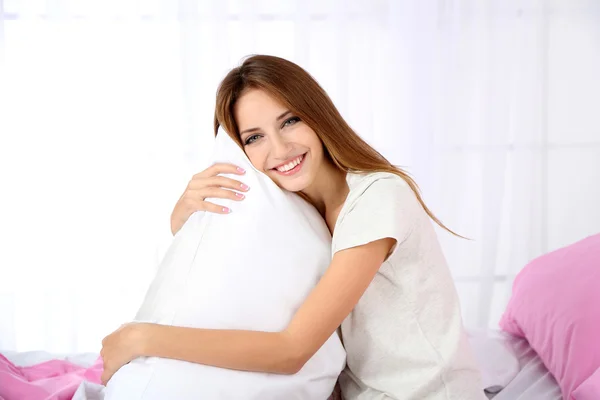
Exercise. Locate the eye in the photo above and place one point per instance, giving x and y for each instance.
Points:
(290, 121)
(251, 139)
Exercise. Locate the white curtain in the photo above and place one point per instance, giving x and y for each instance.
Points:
(106, 112)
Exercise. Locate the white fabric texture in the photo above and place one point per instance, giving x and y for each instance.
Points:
(251, 270)
(106, 111)
(512, 369)
(405, 338)
(497, 361)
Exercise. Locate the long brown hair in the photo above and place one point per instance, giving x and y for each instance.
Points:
(295, 88)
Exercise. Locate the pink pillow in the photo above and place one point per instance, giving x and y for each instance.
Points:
(555, 305)
(590, 389)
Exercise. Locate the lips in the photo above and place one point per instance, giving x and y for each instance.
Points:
(292, 166)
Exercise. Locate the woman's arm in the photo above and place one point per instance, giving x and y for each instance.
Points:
(350, 273)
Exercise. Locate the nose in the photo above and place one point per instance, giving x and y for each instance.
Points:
(280, 148)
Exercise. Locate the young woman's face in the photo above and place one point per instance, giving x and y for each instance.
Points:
(277, 142)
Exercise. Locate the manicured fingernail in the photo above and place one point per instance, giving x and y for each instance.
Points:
(241, 169)
(226, 210)
(244, 186)
(241, 196)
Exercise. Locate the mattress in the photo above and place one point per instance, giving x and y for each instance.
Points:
(510, 367)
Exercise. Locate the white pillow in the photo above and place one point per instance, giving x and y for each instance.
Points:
(250, 269)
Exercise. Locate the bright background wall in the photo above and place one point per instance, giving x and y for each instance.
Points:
(106, 113)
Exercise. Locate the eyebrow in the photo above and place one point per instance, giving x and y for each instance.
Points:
(256, 129)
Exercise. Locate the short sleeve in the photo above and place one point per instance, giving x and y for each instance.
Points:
(382, 208)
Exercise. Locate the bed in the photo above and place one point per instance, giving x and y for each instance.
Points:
(510, 367)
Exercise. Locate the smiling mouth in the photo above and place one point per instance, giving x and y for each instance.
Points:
(291, 167)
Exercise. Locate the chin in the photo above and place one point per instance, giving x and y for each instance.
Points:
(295, 188)
(291, 185)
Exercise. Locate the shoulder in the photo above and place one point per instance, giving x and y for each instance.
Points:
(376, 187)
(379, 205)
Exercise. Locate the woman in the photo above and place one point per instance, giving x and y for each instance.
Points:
(388, 285)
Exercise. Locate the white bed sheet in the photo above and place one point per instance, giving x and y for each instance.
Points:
(511, 369)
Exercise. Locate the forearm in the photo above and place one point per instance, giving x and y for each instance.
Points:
(271, 352)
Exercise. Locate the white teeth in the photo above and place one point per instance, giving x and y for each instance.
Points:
(290, 165)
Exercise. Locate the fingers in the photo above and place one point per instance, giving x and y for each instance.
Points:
(194, 205)
(219, 193)
(194, 198)
(220, 168)
(219, 181)
(215, 208)
(228, 183)
(209, 184)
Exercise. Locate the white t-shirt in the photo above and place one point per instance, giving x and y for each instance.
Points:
(405, 338)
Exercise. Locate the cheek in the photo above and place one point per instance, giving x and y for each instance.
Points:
(308, 138)
(316, 147)
(257, 158)
(317, 158)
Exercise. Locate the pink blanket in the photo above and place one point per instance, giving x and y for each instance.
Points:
(50, 380)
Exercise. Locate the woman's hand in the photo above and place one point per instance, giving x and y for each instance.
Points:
(120, 347)
(205, 184)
